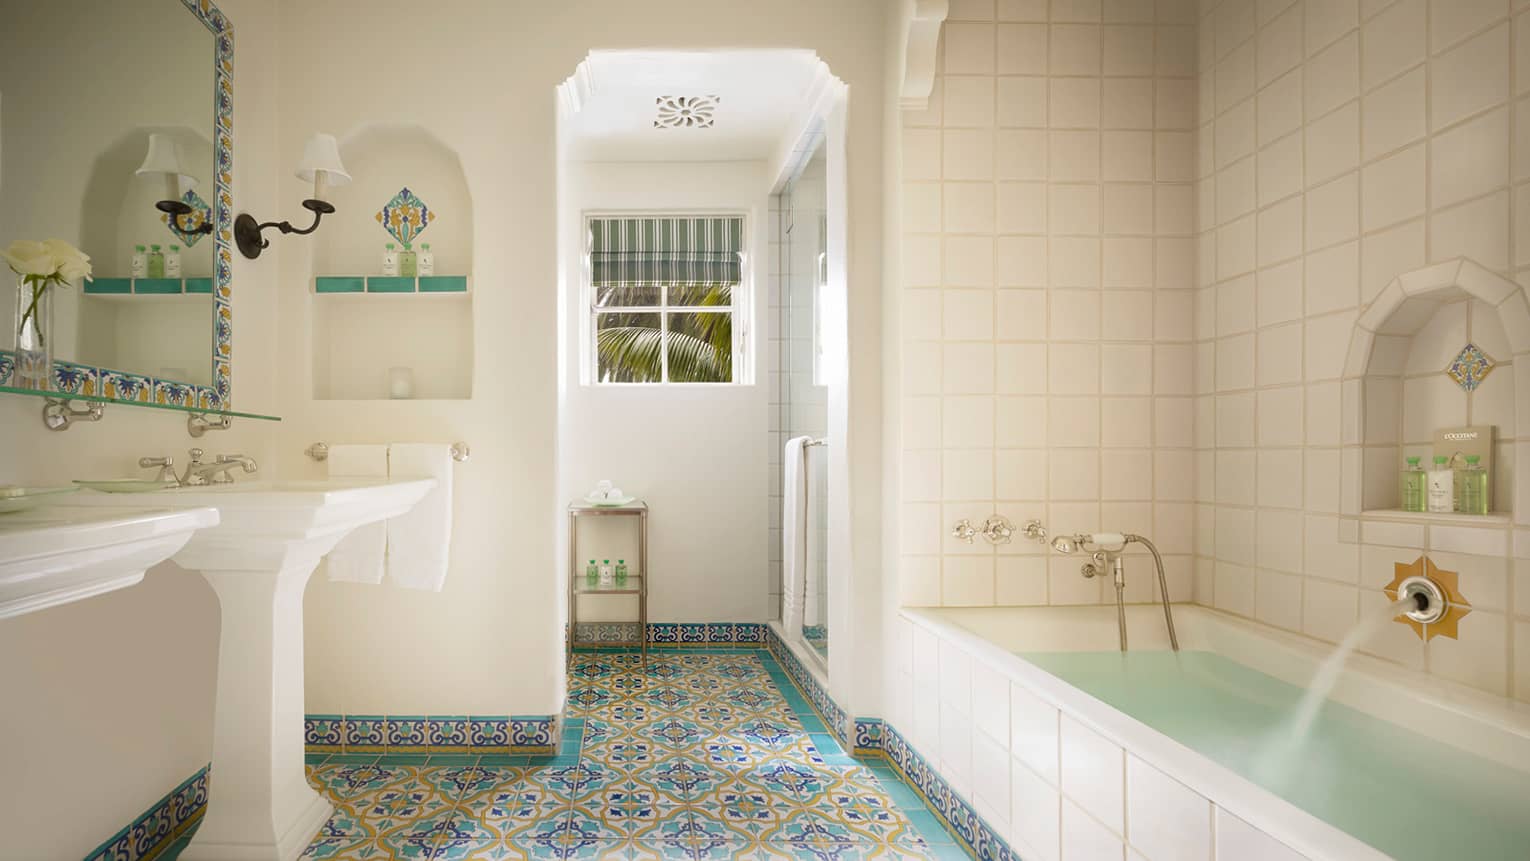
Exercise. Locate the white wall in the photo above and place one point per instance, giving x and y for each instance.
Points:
(1342, 144)
(698, 453)
(500, 617)
(120, 687)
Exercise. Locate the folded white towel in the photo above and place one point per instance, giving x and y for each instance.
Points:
(358, 558)
(813, 563)
(419, 540)
(794, 528)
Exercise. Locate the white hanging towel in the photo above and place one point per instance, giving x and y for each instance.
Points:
(812, 557)
(419, 540)
(358, 558)
(794, 527)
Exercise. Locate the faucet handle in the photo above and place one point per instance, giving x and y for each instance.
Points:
(166, 467)
(196, 455)
(964, 531)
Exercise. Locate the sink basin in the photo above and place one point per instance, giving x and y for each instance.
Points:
(258, 558)
(270, 517)
(56, 554)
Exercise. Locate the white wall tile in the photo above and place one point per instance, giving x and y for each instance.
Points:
(1236, 840)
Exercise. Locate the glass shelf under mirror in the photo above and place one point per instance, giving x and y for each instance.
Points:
(98, 399)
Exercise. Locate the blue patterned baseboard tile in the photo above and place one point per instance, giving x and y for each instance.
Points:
(834, 717)
(519, 735)
(955, 814)
(160, 825)
(672, 633)
(868, 736)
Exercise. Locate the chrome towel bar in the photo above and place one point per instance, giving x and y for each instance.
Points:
(320, 452)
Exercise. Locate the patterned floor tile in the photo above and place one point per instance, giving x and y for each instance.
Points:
(697, 755)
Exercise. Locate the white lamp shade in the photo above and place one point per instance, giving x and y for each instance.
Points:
(163, 160)
(322, 155)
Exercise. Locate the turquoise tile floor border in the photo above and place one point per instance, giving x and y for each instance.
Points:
(710, 753)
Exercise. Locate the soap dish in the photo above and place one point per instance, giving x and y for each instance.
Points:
(14, 499)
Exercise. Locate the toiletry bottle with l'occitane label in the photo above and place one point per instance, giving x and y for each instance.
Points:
(1441, 488)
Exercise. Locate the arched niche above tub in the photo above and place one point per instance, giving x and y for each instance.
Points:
(366, 323)
(1397, 386)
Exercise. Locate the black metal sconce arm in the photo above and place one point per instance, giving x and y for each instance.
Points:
(247, 230)
(177, 210)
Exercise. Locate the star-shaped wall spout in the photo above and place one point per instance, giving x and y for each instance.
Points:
(1449, 584)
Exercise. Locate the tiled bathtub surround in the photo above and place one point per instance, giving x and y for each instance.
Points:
(1004, 762)
(1048, 267)
(1342, 144)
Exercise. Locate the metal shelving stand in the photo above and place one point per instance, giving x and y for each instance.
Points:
(637, 584)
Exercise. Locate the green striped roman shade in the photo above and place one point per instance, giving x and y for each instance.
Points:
(629, 252)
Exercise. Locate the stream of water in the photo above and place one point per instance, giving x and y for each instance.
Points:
(1328, 674)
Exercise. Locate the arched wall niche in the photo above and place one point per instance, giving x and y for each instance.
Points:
(1397, 391)
(359, 338)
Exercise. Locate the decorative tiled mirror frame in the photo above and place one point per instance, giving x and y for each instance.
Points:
(1379, 344)
(73, 378)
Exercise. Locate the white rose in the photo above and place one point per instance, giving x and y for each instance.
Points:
(70, 263)
(29, 258)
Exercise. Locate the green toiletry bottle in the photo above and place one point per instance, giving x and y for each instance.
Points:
(621, 572)
(1474, 487)
(591, 574)
(156, 262)
(408, 265)
(1413, 486)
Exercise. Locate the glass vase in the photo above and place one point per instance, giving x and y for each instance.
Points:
(34, 336)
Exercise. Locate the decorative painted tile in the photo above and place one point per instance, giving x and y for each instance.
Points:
(408, 732)
(7, 367)
(366, 733)
(1470, 367)
(405, 216)
(323, 733)
(486, 733)
(449, 733)
(160, 825)
(200, 214)
(74, 379)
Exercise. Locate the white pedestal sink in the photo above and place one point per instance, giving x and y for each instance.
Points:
(258, 560)
(59, 553)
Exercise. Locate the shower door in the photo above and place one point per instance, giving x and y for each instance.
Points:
(804, 395)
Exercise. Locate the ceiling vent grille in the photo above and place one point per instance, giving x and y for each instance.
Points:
(685, 112)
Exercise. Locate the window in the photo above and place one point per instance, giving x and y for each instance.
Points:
(663, 298)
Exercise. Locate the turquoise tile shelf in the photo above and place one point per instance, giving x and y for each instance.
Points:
(109, 286)
(339, 284)
(443, 284)
(157, 286)
(386, 284)
(147, 286)
(330, 284)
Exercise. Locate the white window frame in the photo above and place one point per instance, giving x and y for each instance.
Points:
(742, 307)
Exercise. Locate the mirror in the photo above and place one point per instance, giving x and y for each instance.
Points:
(805, 394)
(85, 88)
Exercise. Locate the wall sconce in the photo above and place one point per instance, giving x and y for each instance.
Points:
(162, 160)
(321, 166)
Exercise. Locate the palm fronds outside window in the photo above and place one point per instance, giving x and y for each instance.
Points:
(662, 298)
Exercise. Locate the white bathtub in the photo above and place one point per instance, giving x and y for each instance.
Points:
(1067, 775)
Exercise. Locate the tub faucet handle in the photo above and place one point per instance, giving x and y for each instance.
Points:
(998, 529)
(1034, 531)
(964, 531)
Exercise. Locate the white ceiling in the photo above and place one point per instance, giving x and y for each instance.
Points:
(610, 103)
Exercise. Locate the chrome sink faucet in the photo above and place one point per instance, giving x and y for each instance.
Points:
(197, 473)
